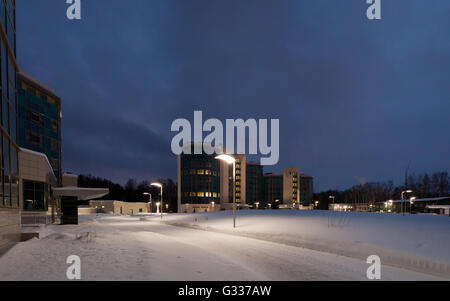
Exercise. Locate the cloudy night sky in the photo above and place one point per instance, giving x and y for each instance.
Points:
(357, 99)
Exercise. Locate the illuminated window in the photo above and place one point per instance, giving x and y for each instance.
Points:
(207, 172)
(214, 173)
(214, 194)
(200, 194)
(238, 172)
(238, 165)
(238, 188)
(238, 177)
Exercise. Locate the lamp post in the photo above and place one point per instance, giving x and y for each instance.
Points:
(231, 160)
(156, 184)
(403, 192)
(150, 200)
(332, 197)
(411, 202)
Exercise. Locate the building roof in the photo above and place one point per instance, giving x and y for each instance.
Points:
(83, 194)
(36, 82)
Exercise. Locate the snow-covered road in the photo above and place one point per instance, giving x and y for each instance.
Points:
(126, 248)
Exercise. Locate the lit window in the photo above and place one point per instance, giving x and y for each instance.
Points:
(200, 172)
(200, 194)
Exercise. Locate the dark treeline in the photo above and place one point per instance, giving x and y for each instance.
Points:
(133, 191)
(422, 185)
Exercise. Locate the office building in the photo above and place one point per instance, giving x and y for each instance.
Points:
(273, 190)
(9, 188)
(199, 181)
(206, 184)
(306, 190)
(255, 183)
(39, 120)
(291, 194)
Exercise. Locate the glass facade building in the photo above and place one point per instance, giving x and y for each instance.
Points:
(273, 189)
(9, 196)
(9, 165)
(255, 183)
(306, 190)
(39, 120)
(200, 179)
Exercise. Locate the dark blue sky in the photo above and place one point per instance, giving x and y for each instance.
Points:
(357, 99)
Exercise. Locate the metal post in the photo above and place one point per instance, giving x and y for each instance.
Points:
(234, 194)
(162, 201)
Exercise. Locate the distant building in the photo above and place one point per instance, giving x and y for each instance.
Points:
(115, 207)
(199, 182)
(273, 189)
(306, 190)
(255, 183)
(39, 120)
(206, 184)
(291, 180)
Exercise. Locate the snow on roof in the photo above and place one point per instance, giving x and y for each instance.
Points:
(82, 193)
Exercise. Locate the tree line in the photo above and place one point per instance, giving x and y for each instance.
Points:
(423, 186)
(133, 191)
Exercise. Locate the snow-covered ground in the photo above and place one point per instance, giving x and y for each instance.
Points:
(143, 248)
(417, 242)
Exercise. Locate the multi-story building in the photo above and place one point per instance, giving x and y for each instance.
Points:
(206, 184)
(9, 191)
(241, 180)
(306, 190)
(39, 120)
(199, 182)
(255, 184)
(291, 179)
(273, 190)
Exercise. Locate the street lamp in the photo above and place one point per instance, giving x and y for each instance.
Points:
(332, 197)
(231, 160)
(403, 192)
(411, 203)
(150, 200)
(156, 184)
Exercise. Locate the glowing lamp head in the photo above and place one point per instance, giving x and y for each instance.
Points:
(226, 158)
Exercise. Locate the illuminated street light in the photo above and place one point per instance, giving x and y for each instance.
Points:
(403, 201)
(150, 200)
(411, 203)
(231, 160)
(156, 184)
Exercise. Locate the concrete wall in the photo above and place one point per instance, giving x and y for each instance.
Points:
(69, 180)
(10, 227)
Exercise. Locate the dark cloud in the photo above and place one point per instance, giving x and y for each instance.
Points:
(356, 99)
